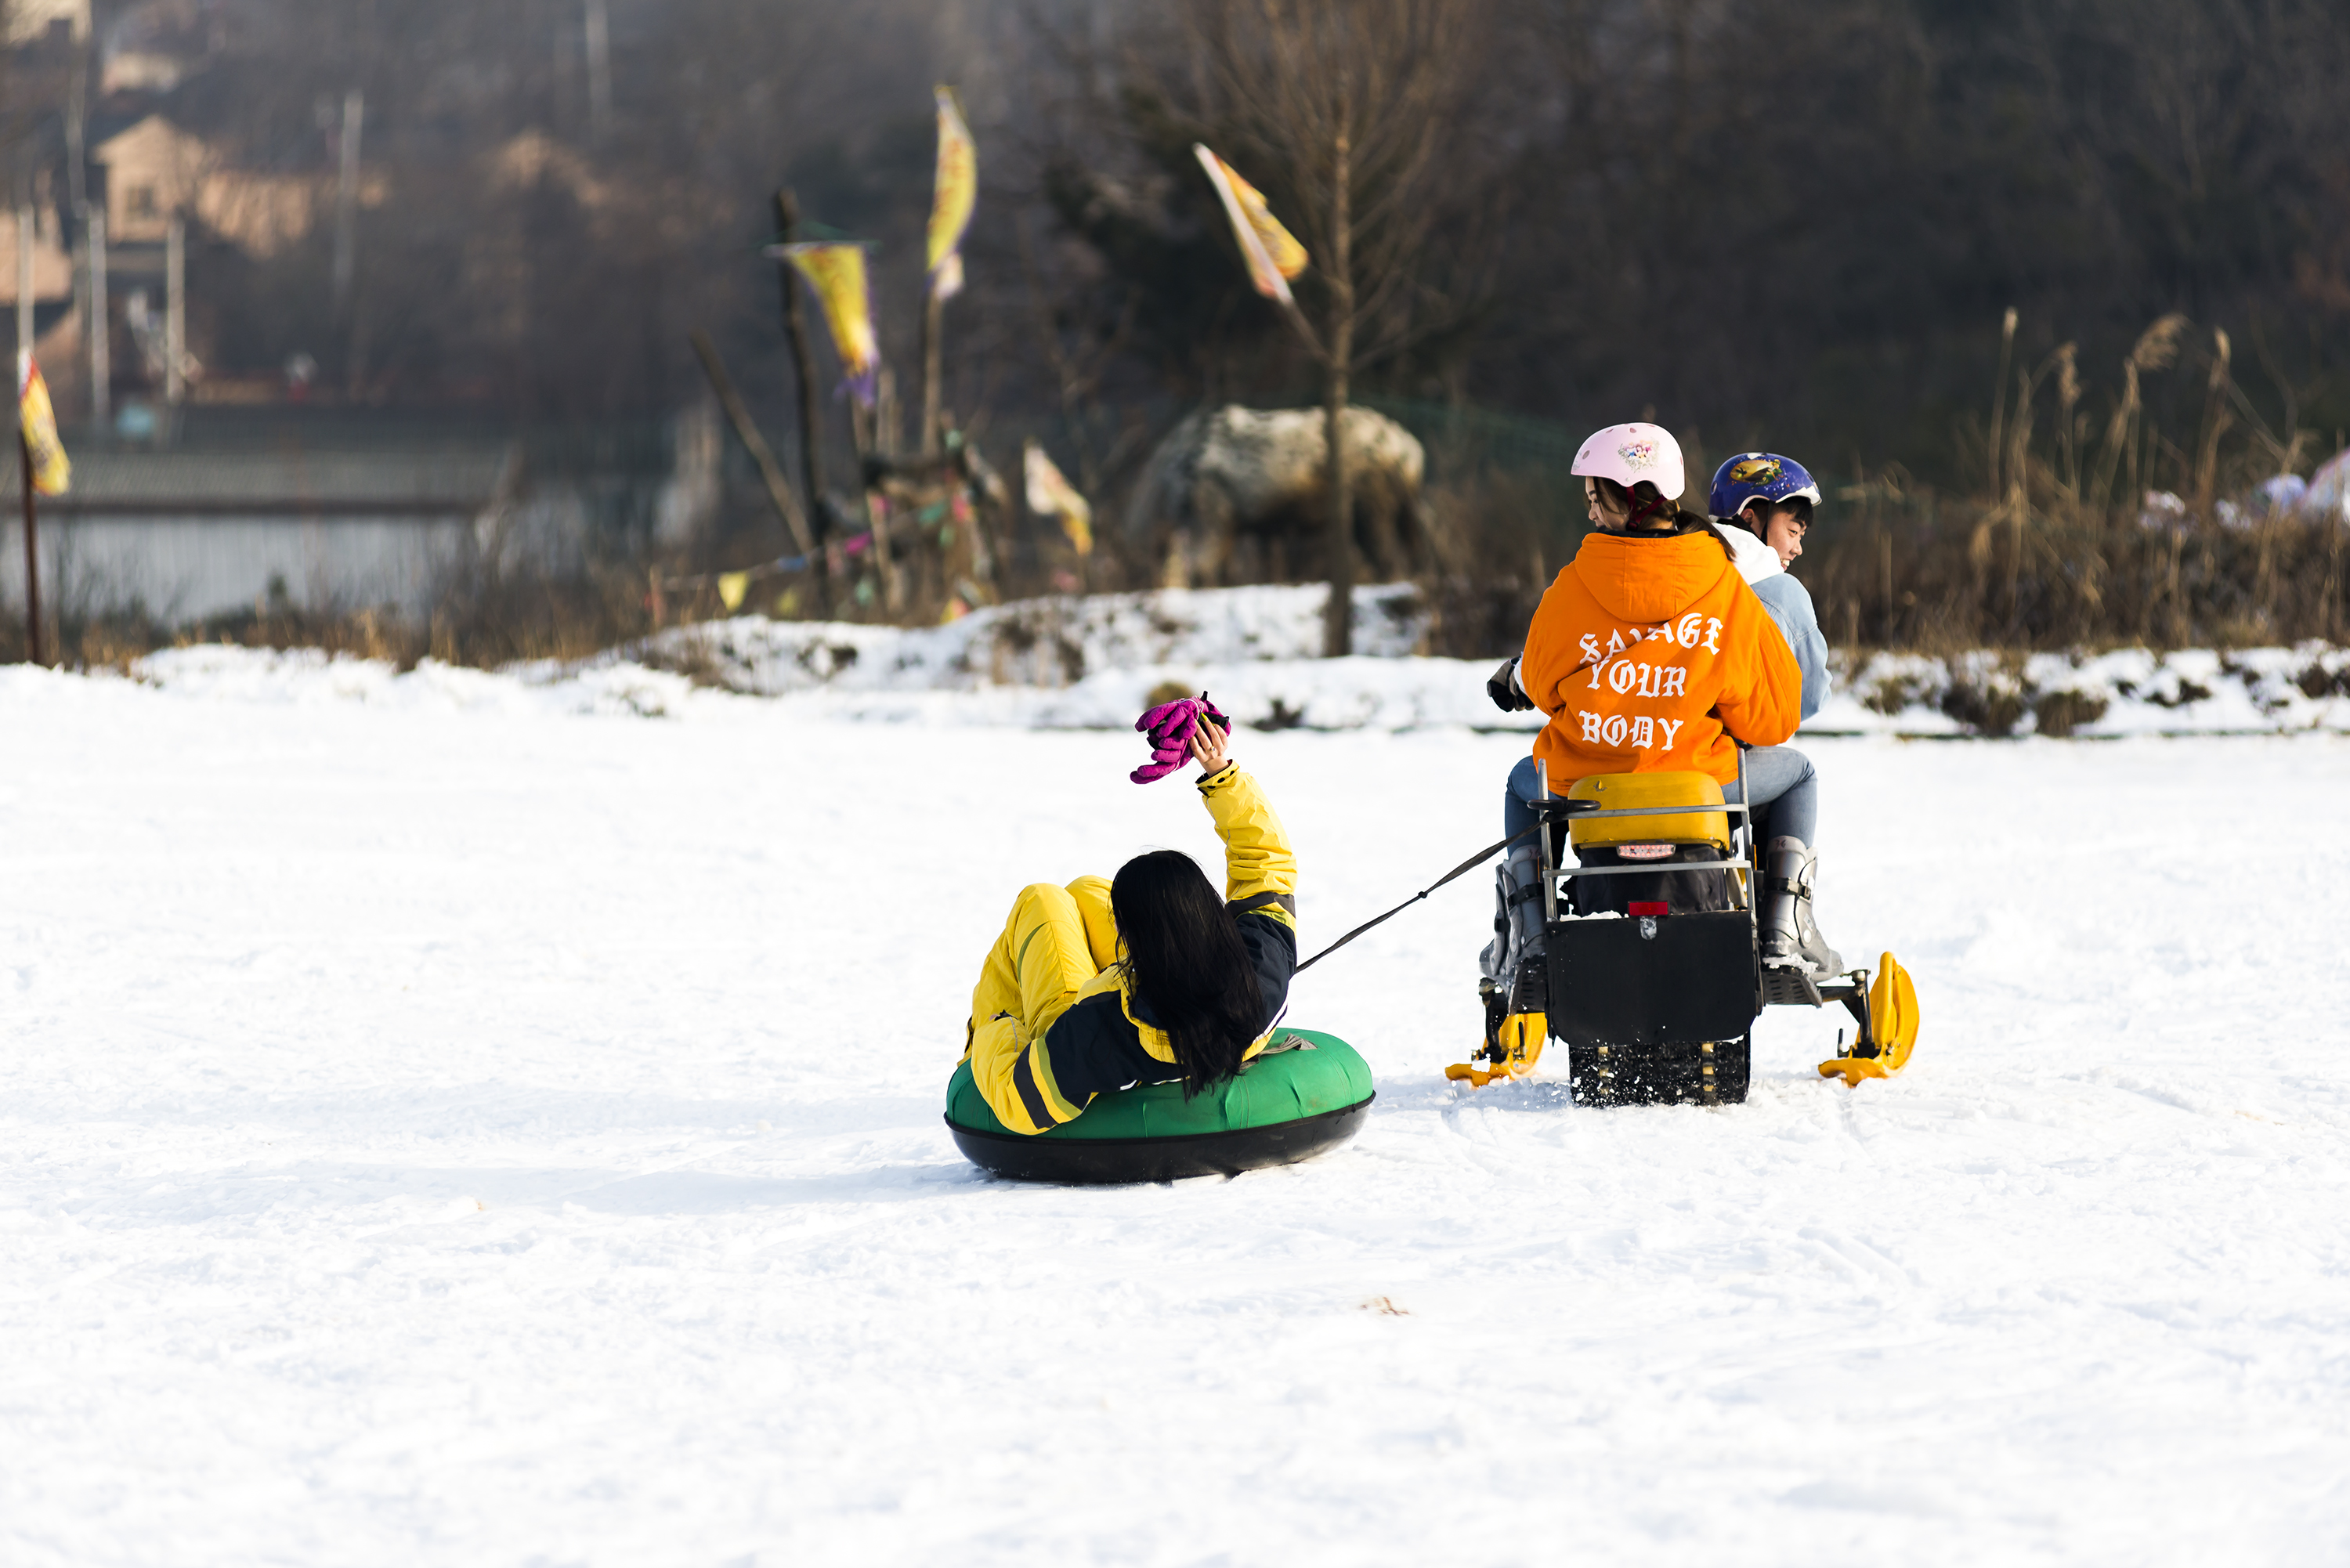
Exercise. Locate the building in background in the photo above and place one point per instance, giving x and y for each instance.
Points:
(31, 19)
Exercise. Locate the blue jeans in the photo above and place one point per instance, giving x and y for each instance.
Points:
(1781, 778)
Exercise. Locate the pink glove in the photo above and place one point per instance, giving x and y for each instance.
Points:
(1169, 727)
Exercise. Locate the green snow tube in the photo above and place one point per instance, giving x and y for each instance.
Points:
(1286, 1105)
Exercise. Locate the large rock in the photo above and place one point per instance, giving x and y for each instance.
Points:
(1237, 496)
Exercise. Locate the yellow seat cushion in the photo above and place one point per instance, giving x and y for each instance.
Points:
(1628, 792)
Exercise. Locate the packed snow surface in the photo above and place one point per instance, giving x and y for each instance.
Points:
(446, 1119)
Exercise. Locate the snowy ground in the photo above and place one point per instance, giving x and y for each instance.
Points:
(446, 1126)
(1092, 663)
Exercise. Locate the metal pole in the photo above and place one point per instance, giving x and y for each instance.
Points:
(101, 353)
(32, 550)
(25, 239)
(175, 309)
(787, 223)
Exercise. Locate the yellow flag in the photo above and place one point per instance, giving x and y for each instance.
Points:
(38, 421)
(1054, 495)
(732, 587)
(835, 270)
(1274, 254)
(956, 193)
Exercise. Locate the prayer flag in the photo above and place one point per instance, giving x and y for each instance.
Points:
(1273, 253)
(38, 422)
(1052, 494)
(954, 197)
(947, 281)
(835, 271)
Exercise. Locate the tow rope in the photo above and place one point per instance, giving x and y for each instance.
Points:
(1468, 865)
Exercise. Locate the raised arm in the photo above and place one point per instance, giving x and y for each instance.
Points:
(1260, 880)
(1260, 868)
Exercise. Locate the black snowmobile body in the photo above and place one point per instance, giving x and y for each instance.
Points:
(1654, 953)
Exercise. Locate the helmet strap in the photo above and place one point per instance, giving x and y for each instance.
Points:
(1644, 509)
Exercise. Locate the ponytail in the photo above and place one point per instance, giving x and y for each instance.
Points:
(1644, 502)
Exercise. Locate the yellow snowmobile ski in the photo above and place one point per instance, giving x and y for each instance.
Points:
(1892, 1028)
(1514, 1050)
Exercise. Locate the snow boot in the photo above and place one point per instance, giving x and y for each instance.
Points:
(1517, 916)
(1791, 938)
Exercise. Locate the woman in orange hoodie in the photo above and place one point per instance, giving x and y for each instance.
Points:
(1650, 653)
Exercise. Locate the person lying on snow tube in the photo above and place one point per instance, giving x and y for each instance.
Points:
(1145, 978)
(1649, 653)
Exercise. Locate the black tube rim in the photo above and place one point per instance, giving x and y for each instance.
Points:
(1037, 1141)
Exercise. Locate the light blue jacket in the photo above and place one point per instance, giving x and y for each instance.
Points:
(1790, 604)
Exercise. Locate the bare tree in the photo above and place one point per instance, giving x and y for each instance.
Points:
(1339, 108)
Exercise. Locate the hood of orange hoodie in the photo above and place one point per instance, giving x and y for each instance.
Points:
(1648, 579)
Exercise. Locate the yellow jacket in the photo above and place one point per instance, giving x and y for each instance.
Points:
(1054, 1019)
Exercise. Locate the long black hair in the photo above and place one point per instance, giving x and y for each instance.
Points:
(1189, 967)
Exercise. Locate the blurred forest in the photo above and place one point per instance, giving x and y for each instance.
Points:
(1793, 223)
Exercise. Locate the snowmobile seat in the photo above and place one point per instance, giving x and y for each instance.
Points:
(1630, 792)
(1639, 858)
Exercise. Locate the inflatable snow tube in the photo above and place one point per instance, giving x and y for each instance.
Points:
(1286, 1105)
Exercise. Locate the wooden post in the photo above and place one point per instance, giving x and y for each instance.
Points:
(347, 197)
(175, 310)
(101, 353)
(861, 421)
(977, 483)
(884, 430)
(25, 238)
(819, 514)
(933, 309)
(598, 26)
(771, 473)
(1338, 612)
(1884, 563)
(32, 551)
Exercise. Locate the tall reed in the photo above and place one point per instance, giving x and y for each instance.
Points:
(2091, 532)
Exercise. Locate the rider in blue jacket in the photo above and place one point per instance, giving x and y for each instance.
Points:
(1762, 504)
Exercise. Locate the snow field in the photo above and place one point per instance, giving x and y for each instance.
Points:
(470, 1130)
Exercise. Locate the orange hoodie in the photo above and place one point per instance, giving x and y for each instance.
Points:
(1649, 653)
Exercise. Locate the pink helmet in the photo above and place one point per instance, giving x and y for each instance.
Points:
(1634, 453)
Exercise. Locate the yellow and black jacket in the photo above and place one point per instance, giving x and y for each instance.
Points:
(1055, 1020)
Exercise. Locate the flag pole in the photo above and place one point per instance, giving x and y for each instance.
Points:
(819, 511)
(32, 551)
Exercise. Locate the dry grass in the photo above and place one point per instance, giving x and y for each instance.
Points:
(488, 623)
(2054, 545)
(2061, 546)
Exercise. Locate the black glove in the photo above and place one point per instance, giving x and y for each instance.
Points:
(1503, 689)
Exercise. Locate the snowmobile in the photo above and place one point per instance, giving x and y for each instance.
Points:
(1651, 968)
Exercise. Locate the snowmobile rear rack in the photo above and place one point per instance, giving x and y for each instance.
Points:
(1558, 807)
(1650, 868)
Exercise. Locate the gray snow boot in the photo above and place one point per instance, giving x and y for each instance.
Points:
(1517, 917)
(1791, 938)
